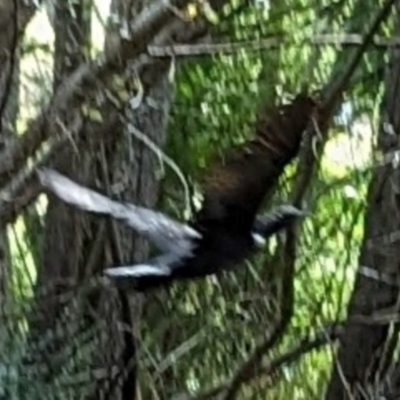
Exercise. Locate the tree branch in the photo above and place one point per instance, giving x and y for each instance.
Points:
(85, 80)
(332, 95)
(341, 84)
(252, 366)
(306, 344)
(207, 49)
(23, 188)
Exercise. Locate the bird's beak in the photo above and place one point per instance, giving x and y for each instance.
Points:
(304, 213)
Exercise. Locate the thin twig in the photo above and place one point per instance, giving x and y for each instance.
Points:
(162, 156)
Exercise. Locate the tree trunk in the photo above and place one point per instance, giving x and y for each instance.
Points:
(9, 81)
(78, 246)
(366, 348)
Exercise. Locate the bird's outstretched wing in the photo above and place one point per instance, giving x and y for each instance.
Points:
(235, 189)
(168, 235)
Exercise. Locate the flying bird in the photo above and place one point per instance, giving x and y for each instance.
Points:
(227, 229)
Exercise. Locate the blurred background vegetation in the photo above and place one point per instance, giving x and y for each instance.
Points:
(194, 340)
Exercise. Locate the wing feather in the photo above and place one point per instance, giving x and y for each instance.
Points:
(234, 189)
(168, 235)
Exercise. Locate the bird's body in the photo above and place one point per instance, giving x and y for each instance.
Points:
(224, 232)
(218, 249)
(213, 253)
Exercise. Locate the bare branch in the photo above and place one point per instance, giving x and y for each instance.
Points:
(341, 84)
(163, 158)
(205, 49)
(85, 81)
(305, 345)
(23, 187)
(252, 366)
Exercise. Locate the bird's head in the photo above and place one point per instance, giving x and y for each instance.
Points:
(273, 222)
